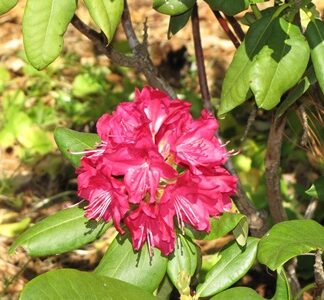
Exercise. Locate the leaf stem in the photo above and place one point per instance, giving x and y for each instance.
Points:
(224, 25)
(256, 11)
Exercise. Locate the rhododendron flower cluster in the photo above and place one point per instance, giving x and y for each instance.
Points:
(156, 168)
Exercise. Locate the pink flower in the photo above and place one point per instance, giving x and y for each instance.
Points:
(155, 168)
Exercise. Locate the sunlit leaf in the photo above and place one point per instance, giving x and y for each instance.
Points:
(70, 141)
(289, 239)
(106, 14)
(62, 232)
(317, 189)
(6, 5)
(183, 262)
(242, 293)
(73, 284)
(173, 7)
(138, 268)
(44, 25)
(315, 37)
(233, 264)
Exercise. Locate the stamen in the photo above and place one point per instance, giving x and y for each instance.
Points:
(141, 238)
(179, 217)
(184, 205)
(224, 145)
(150, 242)
(99, 205)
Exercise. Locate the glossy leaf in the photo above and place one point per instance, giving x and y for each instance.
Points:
(279, 65)
(289, 239)
(296, 93)
(173, 7)
(271, 60)
(236, 85)
(241, 231)
(282, 286)
(178, 22)
(138, 268)
(219, 227)
(317, 189)
(6, 5)
(106, 14)
(315, 37)
(73, 141)
(73, 284)
(234, 263)
(44, 25)
(65, 231)
(229, 7)
(242, 293)
(183, 262)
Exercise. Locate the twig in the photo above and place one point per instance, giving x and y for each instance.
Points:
(272, 164)
(304, 122)
(272, 177)
(99, 41)
(224, 25)
(200, 59)
(257, 219)
(140, 52)
(236, 27)
(140, 60)
(250, 121)
(310, 210)
(319, 274)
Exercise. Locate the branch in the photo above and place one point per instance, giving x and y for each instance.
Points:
(272, 177)
(99, 40)
(140, 59)
(319, 274)
(225, 27)
(257, 219)
(200, 59)
(140, 52)
(236, 27)
(272, 164)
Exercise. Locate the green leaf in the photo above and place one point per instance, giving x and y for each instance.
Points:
(106, 14)
(241, 232)
(85, 85)
(73, 284)
(317, 189)
(289, 239)
(182, 263)
(44, 25)
(173, 7)
(12, 229)
(65, 231)
(233, 265)
(270, 61)
(178, 22)
(315, 36)
(279, 65)
(283, 288)
(236, 85)
(6, 5)
(73, 141)
(242, 293)
(229, 7)
(138, 268)
(297, 92)
(219, 227)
